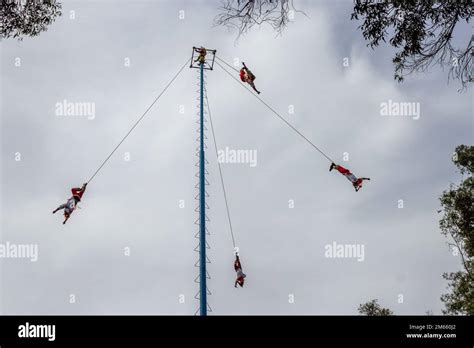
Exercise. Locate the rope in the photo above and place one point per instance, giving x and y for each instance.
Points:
(230, 66)
(220, 169)
(276, 113)
(138, 121)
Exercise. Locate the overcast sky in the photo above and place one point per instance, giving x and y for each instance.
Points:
(136, 204)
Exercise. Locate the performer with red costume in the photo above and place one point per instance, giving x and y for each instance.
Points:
(356, 182)
(247, 76)
(71, 203)
(240, 274)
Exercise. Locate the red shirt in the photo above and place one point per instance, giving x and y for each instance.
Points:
(242, 74)
(342, 170)
(77, 192)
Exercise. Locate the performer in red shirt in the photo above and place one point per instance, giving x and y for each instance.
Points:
(247, 76)
(356, 182)
(240, 274)
(71, 203)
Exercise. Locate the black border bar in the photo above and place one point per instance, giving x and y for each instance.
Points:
(136, 330)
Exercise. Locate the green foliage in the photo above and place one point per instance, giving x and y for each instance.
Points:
(422, 30)
(464, 159)
(373, 308)
(461, 298)
(457, 224)
(27, 18)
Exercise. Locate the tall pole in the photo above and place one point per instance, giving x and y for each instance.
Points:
(202, 208)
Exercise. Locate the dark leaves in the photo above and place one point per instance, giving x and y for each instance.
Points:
(457, 223)
(30, 18)
(421, 30)
(373, 308)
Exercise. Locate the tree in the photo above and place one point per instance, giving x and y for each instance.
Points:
(27, 18)
(245, 14)
(457, 224)
(372, 308)
(422, 30)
